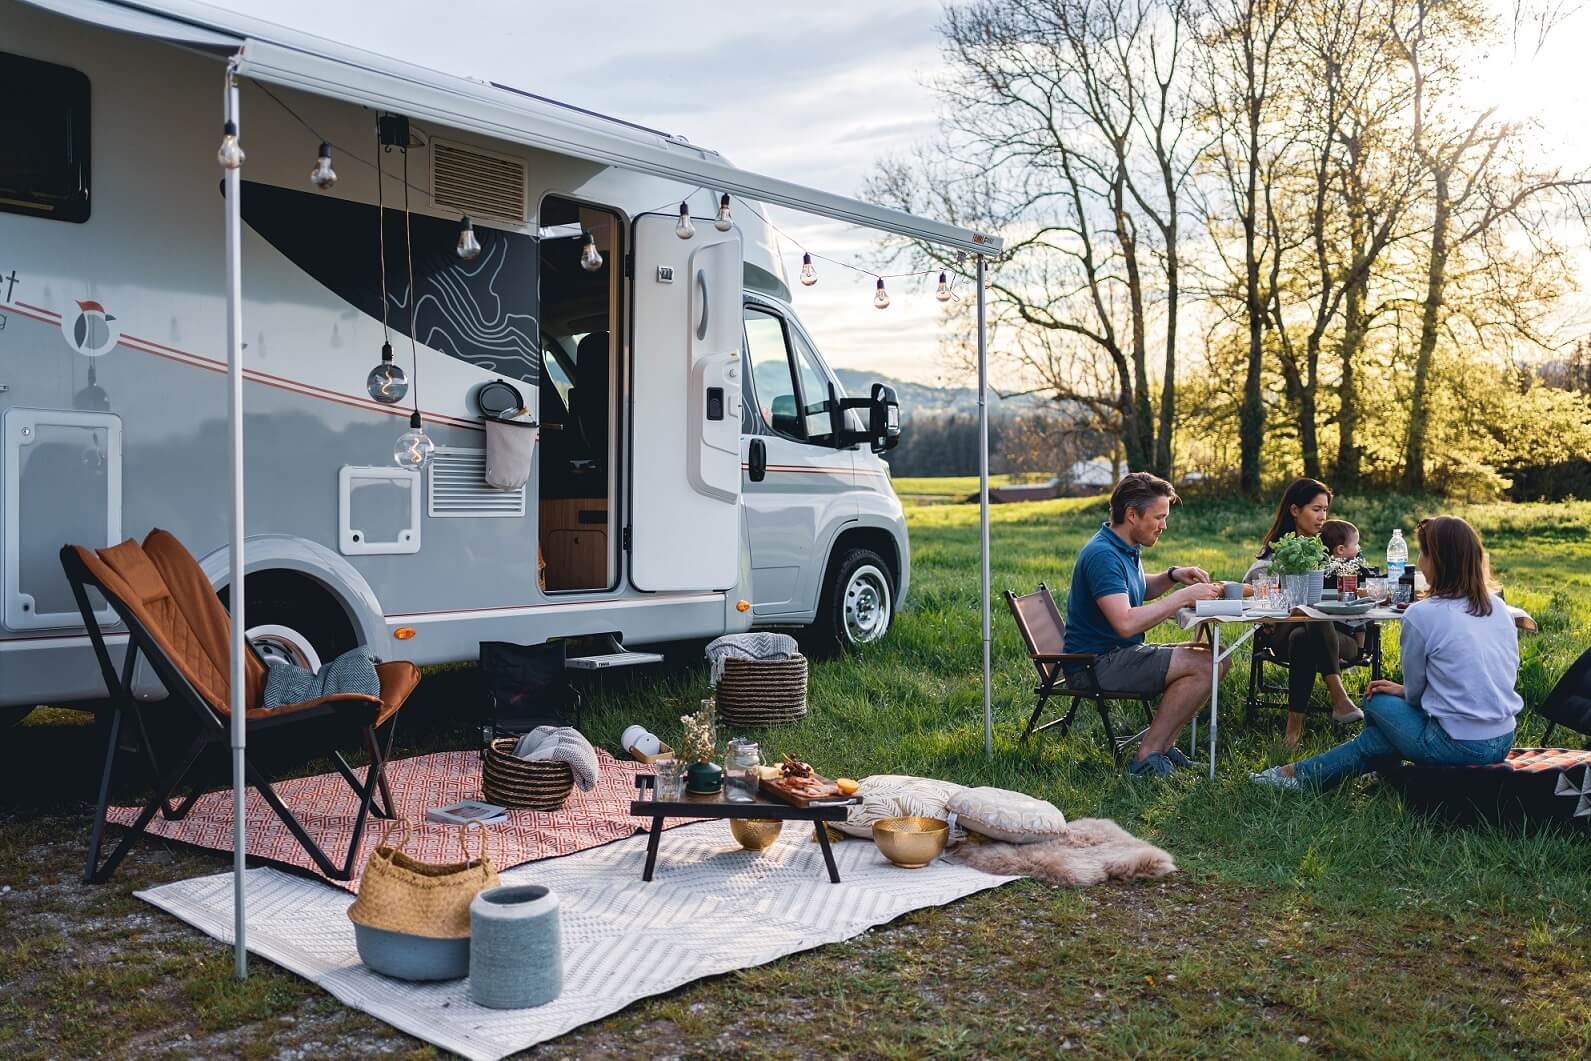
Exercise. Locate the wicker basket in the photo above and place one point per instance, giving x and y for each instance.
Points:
(511, 781)
(762, 692)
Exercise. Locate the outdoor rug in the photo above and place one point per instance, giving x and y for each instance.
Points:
(711, 908)
(328, 807)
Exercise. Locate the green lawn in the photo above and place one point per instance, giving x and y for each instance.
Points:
(1299, 924)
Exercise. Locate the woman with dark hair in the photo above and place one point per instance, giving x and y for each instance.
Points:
(1457, 703)
(1308, 648)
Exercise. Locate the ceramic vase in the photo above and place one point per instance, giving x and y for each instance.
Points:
(1305, 588)
(516, 947)
(704, 778)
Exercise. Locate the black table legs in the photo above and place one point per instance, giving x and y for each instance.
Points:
(651, 847)
(828, 852)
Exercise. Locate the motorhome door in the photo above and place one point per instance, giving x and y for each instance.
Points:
(685, 408)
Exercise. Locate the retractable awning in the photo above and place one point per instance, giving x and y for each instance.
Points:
(112, 15)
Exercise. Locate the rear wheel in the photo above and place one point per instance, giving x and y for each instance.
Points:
(292, 621)
(858, 602)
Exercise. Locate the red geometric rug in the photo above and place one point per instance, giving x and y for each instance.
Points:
(327, 808)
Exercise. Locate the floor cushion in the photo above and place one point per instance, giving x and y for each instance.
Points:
(897, 796)
(1532, 785)
(1001, 814)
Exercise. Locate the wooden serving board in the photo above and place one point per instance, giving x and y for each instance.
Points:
(776, 789)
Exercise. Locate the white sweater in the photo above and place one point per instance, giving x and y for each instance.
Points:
(1460, 668)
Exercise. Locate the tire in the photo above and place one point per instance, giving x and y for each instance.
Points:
(283, 629)
(858, 603)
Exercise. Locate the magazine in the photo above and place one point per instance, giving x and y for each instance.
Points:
(466, 811)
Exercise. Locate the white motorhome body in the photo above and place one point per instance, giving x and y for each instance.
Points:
(685, 492)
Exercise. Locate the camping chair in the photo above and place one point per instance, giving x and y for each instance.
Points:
(1534, 785)
(175, 619)
(1044, 633)
(1268, 695)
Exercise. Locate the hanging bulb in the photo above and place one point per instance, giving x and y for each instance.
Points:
(323, 176)
(590, 259)
(881, 297)
(469, 247)
(809, 275)
(414, 447)
(684, 230)
(387, 383)
(230, 154)
(723, 222)
(942, 292)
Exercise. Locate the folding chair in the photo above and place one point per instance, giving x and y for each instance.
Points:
(1044, 633)
(1267, 695)
(177, 622)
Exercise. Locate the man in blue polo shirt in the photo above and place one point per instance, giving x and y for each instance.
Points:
(1107, 614)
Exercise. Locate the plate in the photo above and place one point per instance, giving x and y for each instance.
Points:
(1357, 607)
(1266, 613)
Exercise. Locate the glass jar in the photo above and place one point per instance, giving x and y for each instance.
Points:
(741, 780)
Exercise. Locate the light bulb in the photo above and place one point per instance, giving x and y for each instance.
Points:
(469, 247)
(323, 176)
(414, 447)
(881, 297)
(723, 222)
(809, 275)
(684, 230)
(387, 383)
(230, 154)
(590, 259)
(942, 292)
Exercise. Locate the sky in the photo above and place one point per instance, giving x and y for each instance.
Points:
(818, 93)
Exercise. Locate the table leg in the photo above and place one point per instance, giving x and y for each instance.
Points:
(1215, 689)
(651, 848)
(828, 852)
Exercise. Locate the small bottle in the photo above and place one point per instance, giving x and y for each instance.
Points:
(1397, 554)
(1405, 585)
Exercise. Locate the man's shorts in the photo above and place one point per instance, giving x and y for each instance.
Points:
(1138, 670)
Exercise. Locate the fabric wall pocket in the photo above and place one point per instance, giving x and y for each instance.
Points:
(510, 445)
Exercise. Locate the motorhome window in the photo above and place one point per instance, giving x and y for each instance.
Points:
(770, 373)
(44, 152)
(814, 391)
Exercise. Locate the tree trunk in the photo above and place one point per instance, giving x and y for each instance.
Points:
(1419, 412)
(1308, 438)
(1168, 384)
(1251, 415)
(1353, 333)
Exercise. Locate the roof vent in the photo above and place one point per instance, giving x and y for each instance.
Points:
(458, 486)
(476, 182)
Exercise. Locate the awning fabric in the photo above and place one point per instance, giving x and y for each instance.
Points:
(127, 19)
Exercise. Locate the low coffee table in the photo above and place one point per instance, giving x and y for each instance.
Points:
(716, 806)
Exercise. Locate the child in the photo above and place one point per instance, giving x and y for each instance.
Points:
(1340, 538)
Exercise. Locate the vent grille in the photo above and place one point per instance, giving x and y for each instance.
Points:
(477, 183)
(458, 486)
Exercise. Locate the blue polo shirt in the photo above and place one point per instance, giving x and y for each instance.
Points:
(1106, 565)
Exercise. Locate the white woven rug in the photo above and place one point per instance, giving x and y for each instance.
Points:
(711, 908)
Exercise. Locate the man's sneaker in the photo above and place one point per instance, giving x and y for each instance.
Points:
(1178, 759)
(1152, 765)
(1274, 778)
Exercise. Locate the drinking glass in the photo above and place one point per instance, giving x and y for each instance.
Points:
(670, 779)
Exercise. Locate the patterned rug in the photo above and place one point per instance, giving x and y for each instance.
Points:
(327, 807)
(711, 908)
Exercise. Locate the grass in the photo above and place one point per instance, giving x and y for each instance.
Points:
(1299, 925)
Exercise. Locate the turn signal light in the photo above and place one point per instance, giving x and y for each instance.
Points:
(403, 633)
(742, 606)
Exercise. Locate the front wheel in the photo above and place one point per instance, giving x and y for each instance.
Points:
(858, 602)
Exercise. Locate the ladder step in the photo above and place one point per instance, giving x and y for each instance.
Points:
(611, 659)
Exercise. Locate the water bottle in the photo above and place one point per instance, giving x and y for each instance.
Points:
(1397, 554)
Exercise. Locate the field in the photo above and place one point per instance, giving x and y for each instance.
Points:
(1299, 925)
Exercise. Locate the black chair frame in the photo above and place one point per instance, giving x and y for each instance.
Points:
(1264, 695)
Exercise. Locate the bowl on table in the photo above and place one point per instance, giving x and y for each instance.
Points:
(911, 842)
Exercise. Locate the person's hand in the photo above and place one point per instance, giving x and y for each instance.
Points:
(1197, 592)
(1189, 575)
(1381, 685)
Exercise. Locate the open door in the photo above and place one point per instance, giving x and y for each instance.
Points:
(685, 408)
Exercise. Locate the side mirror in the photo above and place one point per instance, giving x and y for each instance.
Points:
(883, 418)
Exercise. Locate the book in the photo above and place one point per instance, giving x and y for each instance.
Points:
(467, 811)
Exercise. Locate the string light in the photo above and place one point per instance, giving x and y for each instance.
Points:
(942, 292)
(323, 176)
(809, 275)
(387, 383)
(590, 258)
(469, 247)
(723, 222)
(880, 296)
(414, 447)
(684, 230)
(230, 154)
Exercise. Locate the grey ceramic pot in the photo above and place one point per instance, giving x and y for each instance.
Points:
(516, 947)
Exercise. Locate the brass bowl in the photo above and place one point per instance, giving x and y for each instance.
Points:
(755, 834)
(911, 843)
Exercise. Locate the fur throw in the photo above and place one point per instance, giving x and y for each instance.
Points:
(1091, 851)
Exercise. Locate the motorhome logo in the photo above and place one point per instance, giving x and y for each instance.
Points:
(90, 330)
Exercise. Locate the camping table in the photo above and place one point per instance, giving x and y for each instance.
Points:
(1212, 624)
(716, 806)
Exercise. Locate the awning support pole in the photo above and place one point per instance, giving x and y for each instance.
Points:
(983, 501)
(234, 336)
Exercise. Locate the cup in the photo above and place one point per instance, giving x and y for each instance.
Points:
(670, 779)
(1232, 590)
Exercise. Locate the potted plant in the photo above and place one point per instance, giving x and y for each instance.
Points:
(1302, 564)
(700, 748)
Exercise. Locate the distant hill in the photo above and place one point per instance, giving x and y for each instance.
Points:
(921, 399)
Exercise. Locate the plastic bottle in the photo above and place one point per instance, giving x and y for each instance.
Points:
(1397, 554)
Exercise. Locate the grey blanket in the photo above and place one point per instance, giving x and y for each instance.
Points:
(748, 646)
(563, 744)
(351, 672)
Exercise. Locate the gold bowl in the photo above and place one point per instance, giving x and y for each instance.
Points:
(755, 834)
(911, 843)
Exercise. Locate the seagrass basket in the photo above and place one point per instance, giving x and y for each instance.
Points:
(762, 692)
(508, 780)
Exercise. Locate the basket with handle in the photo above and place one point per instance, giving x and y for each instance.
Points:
(508, 780)
(400, 893)
(762, 692)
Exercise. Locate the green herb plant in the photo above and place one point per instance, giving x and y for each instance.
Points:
(1292, 555)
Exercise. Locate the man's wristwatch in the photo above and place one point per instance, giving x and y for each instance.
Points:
(1171, 573)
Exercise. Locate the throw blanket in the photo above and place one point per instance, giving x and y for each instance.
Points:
(748, 646)
(351, 672)
(564, 744)
(1091, 851)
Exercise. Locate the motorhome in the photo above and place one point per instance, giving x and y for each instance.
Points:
(697, 469)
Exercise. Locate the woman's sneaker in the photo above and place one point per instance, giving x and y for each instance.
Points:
(1274, 778)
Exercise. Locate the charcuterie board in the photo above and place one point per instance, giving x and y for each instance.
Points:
(804, 791)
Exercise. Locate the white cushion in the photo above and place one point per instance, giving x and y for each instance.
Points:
(1014, 817)
(896, 796)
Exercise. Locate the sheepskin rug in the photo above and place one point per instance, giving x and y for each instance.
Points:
(1093, 850)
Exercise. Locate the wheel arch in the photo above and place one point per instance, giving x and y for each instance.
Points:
(878, 539)
(302, 569)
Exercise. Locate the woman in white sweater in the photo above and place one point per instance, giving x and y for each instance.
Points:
(1460, 661)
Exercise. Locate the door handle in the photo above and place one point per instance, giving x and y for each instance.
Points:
(758, 461)
(701, 285)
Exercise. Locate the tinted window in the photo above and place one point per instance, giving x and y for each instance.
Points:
(814, 391)
(44, 149)
(770, 373)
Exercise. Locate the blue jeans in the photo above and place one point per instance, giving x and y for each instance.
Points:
(1394, 730)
